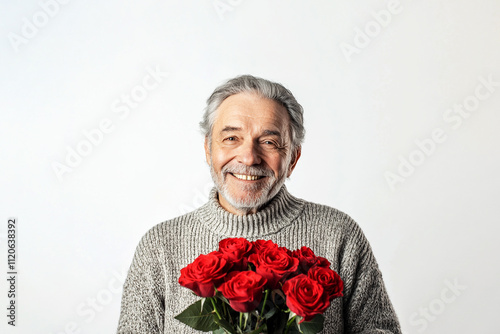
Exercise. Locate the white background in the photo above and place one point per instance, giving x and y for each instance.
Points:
(364, 114)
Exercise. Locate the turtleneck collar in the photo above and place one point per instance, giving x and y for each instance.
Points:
(278, 213)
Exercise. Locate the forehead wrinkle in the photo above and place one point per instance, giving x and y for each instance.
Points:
(246, 115)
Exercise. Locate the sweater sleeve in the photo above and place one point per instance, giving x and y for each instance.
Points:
(367, 308)
(143, 306)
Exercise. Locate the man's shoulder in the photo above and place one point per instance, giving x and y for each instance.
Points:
(331, 219)
(341, 227)
(327, 213)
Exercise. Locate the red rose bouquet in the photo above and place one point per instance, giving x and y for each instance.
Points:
(259, 287)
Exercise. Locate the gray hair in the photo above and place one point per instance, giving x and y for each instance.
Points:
(264, 88)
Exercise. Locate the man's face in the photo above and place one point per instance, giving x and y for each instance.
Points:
(251, 151)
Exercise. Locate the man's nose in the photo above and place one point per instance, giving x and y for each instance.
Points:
(249, 154)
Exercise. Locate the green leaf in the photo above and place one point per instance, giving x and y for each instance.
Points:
(224, 324)
(312, 327)
(294, 330)
(270, 313)
(196, 317)
(269, 309)
(219, 331)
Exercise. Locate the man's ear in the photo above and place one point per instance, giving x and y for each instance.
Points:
(207, 150)
(295, 158)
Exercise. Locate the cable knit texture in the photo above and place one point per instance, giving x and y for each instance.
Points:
(152, 296)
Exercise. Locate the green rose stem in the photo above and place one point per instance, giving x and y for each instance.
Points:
(241, 318)
(289, 324)
(224, 308)
(247, 315)
(215, 308)
(264, 304)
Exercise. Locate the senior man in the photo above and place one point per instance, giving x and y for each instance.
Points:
(253, 133)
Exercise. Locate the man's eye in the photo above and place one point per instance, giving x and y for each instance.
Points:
(230, 138)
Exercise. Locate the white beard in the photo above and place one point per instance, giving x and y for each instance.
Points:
(252, 201)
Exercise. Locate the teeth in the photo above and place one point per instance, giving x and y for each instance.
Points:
(247, 177)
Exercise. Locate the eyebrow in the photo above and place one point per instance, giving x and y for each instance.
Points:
(272, 133)
(229, 128)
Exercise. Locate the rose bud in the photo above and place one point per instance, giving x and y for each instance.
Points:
(206, 272)
(243, 289)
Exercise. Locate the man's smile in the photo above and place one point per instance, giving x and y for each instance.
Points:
(247, 177)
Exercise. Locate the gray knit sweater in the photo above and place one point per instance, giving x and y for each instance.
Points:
(152, 297)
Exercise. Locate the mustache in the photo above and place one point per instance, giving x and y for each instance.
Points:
(248, 170)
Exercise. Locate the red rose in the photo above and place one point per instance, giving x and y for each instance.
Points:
(305, 297)
(204, 273)
(259, 245)
(329, 279)
(274, 264)
(306, 257)
(322, 262)
(236, 250)
(243, 289)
